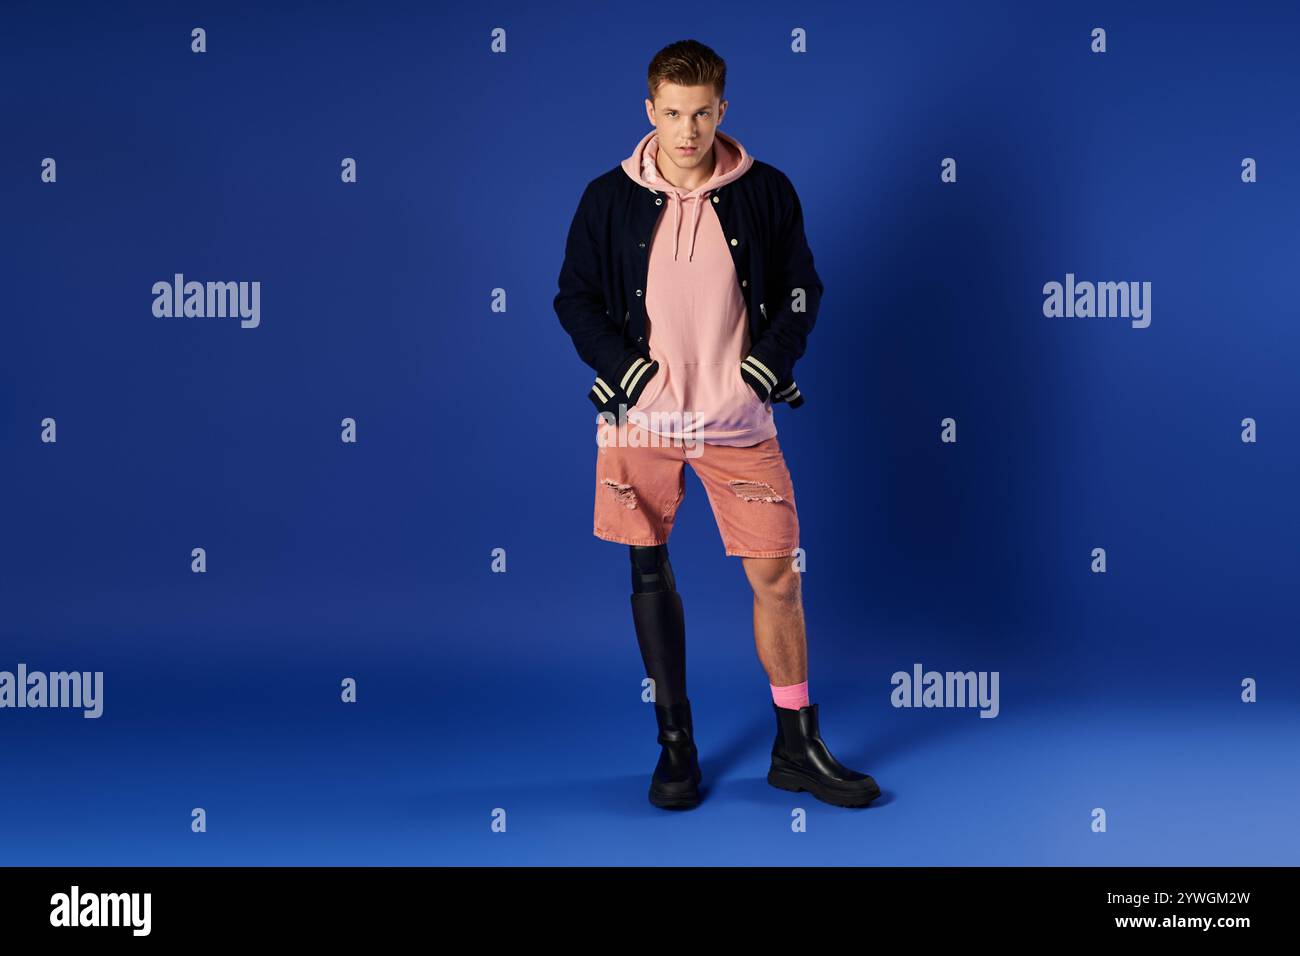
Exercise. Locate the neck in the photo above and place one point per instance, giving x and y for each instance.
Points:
(687, 179)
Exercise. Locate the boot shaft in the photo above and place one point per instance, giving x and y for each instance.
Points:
(675, 722)
(795, 730)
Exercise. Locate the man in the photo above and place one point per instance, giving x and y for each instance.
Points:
(689, 288)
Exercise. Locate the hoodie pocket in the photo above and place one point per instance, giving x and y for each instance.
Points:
(653, 389)
(745, 387)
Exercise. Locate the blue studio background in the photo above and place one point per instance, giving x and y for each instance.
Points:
(521, 690)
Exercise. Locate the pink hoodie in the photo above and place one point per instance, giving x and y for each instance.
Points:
(697, 321)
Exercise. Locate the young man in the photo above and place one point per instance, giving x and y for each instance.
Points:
(689, 288)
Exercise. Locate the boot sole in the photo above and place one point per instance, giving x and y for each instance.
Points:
(857, 797)
(684, 802)
(676, 799)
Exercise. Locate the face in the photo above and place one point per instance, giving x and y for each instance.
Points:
(685, 116)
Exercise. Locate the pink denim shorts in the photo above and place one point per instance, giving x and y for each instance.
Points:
(638, 490)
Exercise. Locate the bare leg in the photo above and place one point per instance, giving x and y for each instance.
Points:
(800, 758)
(778, 619)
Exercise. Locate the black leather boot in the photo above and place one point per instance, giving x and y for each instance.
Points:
(676, 781)
(802, 761)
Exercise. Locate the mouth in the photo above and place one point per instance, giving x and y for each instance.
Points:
(688, 150)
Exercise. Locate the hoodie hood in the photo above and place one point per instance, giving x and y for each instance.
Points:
(730, 162)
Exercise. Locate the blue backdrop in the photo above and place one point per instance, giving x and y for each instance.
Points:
(478, 690)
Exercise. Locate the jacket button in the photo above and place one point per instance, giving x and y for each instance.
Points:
(735, 242)
(638, 291)
(641, 339)
(659, 202)
(641, 244)
(715, 198)
(744, 283)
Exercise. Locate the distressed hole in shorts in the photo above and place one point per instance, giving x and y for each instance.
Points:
(622, 493)
(754, 490)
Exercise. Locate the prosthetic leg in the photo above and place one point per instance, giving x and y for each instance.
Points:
(661, 633)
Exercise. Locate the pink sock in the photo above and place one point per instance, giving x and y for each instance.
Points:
(791, 697)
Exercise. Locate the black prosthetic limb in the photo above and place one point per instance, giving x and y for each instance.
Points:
(660, 622)
(661, 633)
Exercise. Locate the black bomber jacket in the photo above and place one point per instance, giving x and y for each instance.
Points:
(601, 298)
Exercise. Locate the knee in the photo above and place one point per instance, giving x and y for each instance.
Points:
(651, 570)
(778, 582)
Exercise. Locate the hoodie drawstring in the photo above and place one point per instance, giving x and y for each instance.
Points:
(695, 221)
(677, 222)
(649, 176)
